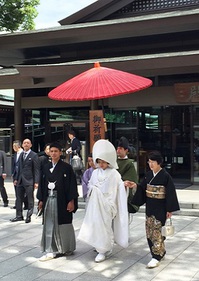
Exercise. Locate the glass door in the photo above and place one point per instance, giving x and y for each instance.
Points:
(195, 144)
(149, 134)
(180, 143)
(166, 129)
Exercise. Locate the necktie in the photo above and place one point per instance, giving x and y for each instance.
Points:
(25, 155)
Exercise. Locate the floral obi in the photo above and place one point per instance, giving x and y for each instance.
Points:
(155, 191)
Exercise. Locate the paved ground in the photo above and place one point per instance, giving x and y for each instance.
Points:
(20, 250)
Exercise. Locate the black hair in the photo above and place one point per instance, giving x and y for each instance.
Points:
(56, 144)
(97, 160)
(156, 156)
(47, 144)
(123, 142)
(71, 132)
(17, 142)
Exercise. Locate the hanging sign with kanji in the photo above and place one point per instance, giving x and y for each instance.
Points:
(97, 131)
(187, 92)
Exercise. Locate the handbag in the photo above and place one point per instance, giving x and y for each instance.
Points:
(76, 163)
(168, 229)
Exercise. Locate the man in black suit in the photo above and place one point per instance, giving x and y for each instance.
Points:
(44, 158)
(75, 149)
(75, 145)
(3, 174)
(27, 180)
(15, 166)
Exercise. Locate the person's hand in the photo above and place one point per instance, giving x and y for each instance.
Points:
(69, 150)
(71, 206)
(40, 205)
(130, 184)
(169, 215)
(4, 176)
(15, 182)
(36, 185)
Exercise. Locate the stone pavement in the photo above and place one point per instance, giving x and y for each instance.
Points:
(20, 250)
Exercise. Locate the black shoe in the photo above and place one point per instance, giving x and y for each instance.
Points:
(14, 207)
(28, 219)
(59, 255)
(5, 204)
(25, 208)
(70, 253)
(17, 219)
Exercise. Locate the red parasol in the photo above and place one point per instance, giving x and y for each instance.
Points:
(99, 83)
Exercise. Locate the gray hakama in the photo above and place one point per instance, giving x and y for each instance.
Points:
(55, 237)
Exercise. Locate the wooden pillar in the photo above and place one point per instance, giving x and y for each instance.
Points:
(18, 116)
(94, 104)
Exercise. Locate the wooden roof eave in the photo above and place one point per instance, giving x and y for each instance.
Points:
(51, 75)
(104, 30)
(128, 63)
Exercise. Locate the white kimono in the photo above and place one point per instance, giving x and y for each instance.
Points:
(106, 218)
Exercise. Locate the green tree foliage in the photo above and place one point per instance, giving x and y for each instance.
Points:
(18, 15)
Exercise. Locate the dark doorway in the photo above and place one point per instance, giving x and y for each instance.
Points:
(59, 130)
(166, 129)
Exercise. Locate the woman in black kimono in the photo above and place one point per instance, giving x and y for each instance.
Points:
(57, 197)
(157, 190)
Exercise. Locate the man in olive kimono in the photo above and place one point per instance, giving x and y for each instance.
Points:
(127, 170)
(57, 197)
